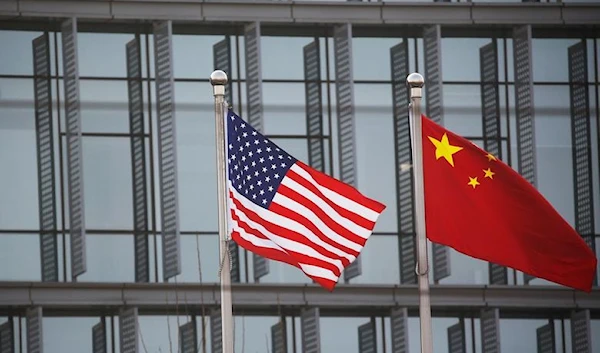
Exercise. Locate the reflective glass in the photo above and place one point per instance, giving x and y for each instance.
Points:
(193, 56)
(524, 329)
(375, 271)
(553, 148)
(462, 109)
(595, 135)
(550, 58)
(18, 156)
(196, 164)
(160, 333)
(595, 328)
(107, 182)
(72, 334)
(107, 59)
(282, 57)
(16, 56)
(204, 248)
(371, 58)
(284, 108)
(375, 159)
(110, 258)
(20, 257)
(104, 106)
(460, 58)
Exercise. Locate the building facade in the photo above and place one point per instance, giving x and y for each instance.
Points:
(108, 204)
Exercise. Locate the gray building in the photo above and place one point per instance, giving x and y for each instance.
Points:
(108, 214)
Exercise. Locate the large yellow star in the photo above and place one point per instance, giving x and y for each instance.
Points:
(488, 173)
(443, 148)
(473, 182)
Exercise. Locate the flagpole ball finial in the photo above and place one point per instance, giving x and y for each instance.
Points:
(416, 82)
(218, 78)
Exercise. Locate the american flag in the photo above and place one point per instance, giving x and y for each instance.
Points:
(282, 209)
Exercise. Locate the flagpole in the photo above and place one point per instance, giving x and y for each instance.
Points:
(218, 79)
(416, 82)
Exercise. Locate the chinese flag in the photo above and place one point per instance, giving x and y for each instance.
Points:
(481, 207)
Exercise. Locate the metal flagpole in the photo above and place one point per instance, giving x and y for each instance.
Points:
(416, 82)
(218, 79)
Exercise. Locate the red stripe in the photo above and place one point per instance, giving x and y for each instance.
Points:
(342, 188)
(277, 255)
(329, 222)
(287, 213)
(284, 232)
(356, 218)
(294, 256)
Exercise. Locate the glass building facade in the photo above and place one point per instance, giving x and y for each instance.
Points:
(108, 203)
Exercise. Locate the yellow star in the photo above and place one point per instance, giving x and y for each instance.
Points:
(488, 173)
(473, 182)
(443, 148)
(491, 157)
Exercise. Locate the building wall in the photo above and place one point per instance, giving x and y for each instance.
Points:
(107, 167)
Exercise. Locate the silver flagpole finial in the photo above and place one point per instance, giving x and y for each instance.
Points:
(416, 82)
(218, 78)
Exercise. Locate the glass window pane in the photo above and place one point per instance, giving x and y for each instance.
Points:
(371, 58)
(550, 58)
(195, 157)
(107, 59)
(110, 258)
(75, 333)
(595, 135)
(282, 57)
(284, 108)
(18, 156)
(553, 148)
(460, 59)
(465, 269)
(375, 271)
(191, 270)
(525, 330)
(17, 54)
(193, 56)
(375, 149)
(107, 181)
(104, 106)
(206, 249)
(20, 257)
(462, 110)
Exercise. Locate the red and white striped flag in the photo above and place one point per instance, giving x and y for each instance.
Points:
(282, 209)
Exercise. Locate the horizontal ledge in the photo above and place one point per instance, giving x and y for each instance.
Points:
(269, 299)
(307, 12)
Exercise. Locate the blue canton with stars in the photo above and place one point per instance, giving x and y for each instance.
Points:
(256, 165)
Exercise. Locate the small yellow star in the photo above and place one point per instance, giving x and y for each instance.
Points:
(490, 157)
(488, 173)
(443, 148)
(473, 182)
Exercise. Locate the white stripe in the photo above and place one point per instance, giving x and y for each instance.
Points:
(340, 200)
(311, 270)
(302, 210)
(330, 211)
(289, 224)
(317, 271)
(256, 241)
(285, 243)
